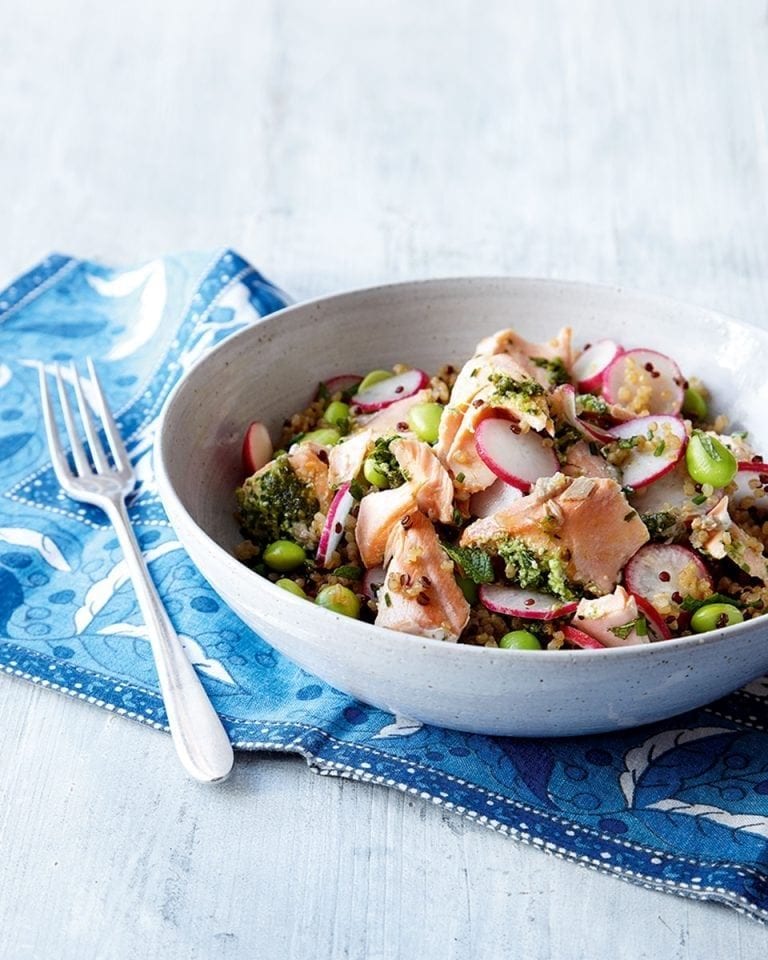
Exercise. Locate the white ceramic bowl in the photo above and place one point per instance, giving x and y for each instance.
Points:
(271, 369)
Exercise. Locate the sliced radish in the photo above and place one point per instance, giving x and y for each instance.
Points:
(333, 529)
(663, 573)
(642, 369)
(517, 458)
(494, 499)
(751, 481)
(528, 604)
(663, 444)
(342, 382)
(611, 619)
(257, 447)
(566, 396)
(656, 622)
(577, 638)
(384, 392)
(373, 581)
(591, 364)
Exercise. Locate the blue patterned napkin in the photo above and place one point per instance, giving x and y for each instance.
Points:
(680, 806)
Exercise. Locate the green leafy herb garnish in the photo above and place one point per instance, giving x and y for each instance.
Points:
(691, 604)
(555, 368)
(349, 572)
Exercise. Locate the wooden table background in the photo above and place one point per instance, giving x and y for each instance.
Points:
(339, 144)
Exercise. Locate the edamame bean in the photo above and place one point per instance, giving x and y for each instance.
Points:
(712, 616)
(694, 403)
(339, 599)
(468, 588)
(327, 436)
(424, 420)
(375, 376)
(337, 414)
(284, 555)
(519, 640)
(373, 475)
(290, 586)
(708, 461)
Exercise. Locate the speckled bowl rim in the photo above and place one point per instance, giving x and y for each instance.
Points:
(555, 657)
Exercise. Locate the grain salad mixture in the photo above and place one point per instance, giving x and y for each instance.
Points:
(535, 498)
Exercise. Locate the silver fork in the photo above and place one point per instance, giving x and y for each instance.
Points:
(201, 741)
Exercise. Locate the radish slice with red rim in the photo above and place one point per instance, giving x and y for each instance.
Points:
(577, 638)
(662, 441)
(645, 369)
(494, 499)
(388, 391)
(655, 620)
(373, 581)
(333, 528)
(527, 604)
(342, 383)
(751, 482)
(589, 367)
(517, 458)
(665, 573)
(257, 447)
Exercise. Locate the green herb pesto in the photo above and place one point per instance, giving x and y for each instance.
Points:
(275, 503)
(535, 570)
(589, 403)
(565, 437)
(523, 392)
(386, 462)
(660, 525)
(555, 368)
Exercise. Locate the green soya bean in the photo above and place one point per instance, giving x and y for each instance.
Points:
(708, 461)
(468, 588)
(375, 376)
(373, 475)
(712, 616)
(291, 587)
(694, 403)
(424, 420)
(337, 413)
(519, 640)
(326, 436)
(340, 599)
(284, 555)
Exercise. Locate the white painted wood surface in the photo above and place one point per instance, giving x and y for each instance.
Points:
(337, 145)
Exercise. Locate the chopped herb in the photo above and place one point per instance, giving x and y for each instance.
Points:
(699, 499)
(457, 517)
(323, 393)
(387, 600)
(627, 443)
(691, 604)
(386, 462)
(460, 477)
(565, 438)
(275, 503)
(629, 516)
(555, 368)
(638, 626)
(474, 562)
(475, 372)
(348, 572)
(522, 391)
(741, 434)
(709, 447)
(535, 570)
(356, 490)
(659, 449)
(589, 403)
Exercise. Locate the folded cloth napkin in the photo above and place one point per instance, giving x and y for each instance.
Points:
(680, 806)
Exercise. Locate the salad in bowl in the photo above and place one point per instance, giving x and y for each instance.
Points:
(539, 497)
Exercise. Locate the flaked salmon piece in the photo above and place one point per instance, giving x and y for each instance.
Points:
(716, 535)
(420, 594)
(392, 419)
(310, 463)
(581, 462)
(476, 393)
(526, 353)
(611, 619)
(346, 458)
(426, 477)
(379, 513)
(584, 522)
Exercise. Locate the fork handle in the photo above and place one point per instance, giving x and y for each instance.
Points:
(198, 734)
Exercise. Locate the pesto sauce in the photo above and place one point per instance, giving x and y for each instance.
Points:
(272, 504)
(535, 570)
